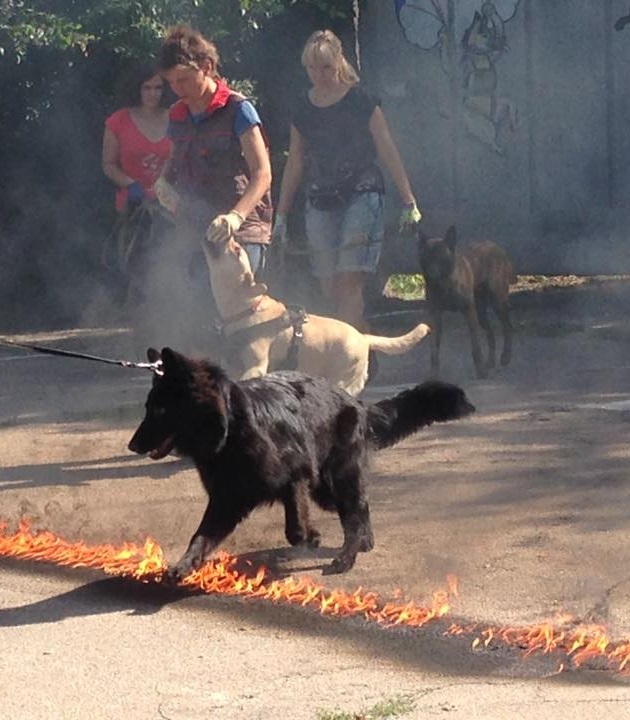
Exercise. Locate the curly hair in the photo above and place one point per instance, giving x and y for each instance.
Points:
(182, 45)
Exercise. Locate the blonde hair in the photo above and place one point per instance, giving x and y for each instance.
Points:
(323, 46)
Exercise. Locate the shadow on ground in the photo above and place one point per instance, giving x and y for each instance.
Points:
(431, 648)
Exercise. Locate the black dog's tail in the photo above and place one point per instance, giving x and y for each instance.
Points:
(393, 419)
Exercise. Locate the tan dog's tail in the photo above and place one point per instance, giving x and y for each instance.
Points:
(400, 344)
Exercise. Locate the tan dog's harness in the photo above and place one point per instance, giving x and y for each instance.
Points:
(295, 316)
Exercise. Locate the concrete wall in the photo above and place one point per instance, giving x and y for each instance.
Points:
(541, 161)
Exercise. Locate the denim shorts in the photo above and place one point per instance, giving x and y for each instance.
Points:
(346, 240)
(257, 254)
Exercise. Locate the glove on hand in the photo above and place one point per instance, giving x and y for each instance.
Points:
(409, 216)
(279, 232)
(223, 227)
(166, 195)
(135, 194)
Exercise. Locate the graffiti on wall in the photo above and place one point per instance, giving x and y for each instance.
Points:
(478, 29)
(621, 22)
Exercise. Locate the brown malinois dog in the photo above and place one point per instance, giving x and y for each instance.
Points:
(467, 280)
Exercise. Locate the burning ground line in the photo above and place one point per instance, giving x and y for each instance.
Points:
(578, 642)
(146, 563)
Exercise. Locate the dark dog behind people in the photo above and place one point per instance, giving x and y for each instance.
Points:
(467, 279)
(283, 437)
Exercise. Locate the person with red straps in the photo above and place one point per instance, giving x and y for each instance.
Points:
(135, 144)
(219, 170)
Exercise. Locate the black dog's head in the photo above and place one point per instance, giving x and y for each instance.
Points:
(187, 408)
(437, 256)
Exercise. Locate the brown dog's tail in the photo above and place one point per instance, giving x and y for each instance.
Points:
(401, 343)
(393, 419)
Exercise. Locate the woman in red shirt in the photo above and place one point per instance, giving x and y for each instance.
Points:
(135, 145)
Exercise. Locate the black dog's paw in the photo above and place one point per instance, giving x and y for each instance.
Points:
(174, 575)
(313, 539)
(341, 564)
(367, 542)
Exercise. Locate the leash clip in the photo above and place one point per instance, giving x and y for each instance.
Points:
(155, 367)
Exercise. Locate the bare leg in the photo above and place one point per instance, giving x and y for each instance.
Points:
(348, 293)
(327, 285)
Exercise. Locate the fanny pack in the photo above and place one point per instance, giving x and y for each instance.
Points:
(338, 195)
(330, 197)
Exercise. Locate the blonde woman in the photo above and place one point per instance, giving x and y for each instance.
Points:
(338, 133)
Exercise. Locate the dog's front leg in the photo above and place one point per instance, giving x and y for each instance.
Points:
(297, 518)
(357, 537)
(473, 326)
(252, 373)
(435, 315)
(503, 312)
(254, 362)
(354, 513)
(217, 523)
(481, 303)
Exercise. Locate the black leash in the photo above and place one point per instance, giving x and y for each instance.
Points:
(155, 367)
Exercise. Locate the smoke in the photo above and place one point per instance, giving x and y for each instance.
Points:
(52, 189)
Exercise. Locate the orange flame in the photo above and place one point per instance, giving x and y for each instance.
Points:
(129, 559)
(578, 642)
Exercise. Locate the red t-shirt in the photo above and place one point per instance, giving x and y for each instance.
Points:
(140, 158)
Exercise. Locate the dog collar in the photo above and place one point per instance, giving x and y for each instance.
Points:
(251, 310)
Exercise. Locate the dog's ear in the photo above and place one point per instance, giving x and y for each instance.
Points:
(422, 237)
(153, 355)
(451, 238)
(173, 362)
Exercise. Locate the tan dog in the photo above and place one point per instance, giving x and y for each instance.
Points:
(260, 331)
(468, 280)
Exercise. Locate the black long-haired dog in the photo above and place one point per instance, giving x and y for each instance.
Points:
(286, 436)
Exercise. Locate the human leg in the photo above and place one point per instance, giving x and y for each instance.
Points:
(322, 232)
(359, 252)
(348, 293)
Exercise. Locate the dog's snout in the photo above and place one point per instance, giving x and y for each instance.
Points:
(134, 445)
